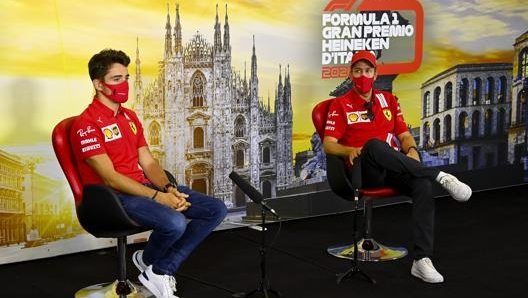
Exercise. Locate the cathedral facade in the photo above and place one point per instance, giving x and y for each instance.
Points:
(203, 119)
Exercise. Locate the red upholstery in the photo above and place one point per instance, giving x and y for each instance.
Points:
(99, 212)
(319, 113)
(61, 144)
(340, 184)
(98, 208)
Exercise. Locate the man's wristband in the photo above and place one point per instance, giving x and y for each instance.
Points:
(412, 147)
(155, 194)
(166, 187)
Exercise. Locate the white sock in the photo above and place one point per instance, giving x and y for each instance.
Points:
(440, 175)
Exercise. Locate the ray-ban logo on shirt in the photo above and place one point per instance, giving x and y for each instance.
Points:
(332, 114)
(84, 133)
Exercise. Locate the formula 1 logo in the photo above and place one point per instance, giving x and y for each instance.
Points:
(393, 29)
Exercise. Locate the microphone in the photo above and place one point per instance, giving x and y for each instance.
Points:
(251, 192)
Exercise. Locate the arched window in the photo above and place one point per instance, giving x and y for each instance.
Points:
(266, 156)
(198, 90)
(490, 90)
(436, 100)
(448, 96)
(198, 138)
(427, 104)
(240, 127)
(477, 87)
(154, 133)
(447, 128)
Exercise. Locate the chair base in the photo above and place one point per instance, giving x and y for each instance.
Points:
(376, 253)
(108, 290)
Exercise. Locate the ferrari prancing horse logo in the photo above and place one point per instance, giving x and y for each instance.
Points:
(387, 114)
(133, 127)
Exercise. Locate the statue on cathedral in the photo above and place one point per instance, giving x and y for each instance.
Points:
(315, 166)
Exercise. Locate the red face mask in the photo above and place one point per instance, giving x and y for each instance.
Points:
(119, 92)
(363, 84)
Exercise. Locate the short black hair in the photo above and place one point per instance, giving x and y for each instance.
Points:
(101, 62)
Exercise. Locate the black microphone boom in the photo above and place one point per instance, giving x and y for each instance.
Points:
(251, 192)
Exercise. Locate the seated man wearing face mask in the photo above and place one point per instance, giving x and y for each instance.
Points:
(110, 149)
(368, 123)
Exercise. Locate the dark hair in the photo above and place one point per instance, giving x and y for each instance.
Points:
(101, 62)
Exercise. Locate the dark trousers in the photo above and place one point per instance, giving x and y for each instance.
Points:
(381, 165)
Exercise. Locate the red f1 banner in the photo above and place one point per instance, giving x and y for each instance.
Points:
(392, 29)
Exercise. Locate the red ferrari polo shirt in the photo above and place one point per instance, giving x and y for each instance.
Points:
(350, 121)
(98, 131)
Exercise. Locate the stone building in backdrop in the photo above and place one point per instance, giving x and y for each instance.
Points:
(203, 119)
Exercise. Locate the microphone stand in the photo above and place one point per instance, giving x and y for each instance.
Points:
(264, 286)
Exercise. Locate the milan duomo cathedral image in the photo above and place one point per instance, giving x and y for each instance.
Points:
(202, 119)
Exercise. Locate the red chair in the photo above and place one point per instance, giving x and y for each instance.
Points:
(365, 249)
(101, 214)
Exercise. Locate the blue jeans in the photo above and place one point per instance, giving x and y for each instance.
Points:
(173, 237)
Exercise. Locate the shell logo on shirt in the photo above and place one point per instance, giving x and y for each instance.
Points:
(357, 117)
(111, 132)
(352, 117)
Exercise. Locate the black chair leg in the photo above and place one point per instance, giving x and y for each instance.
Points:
(123, 288)
(355, 262)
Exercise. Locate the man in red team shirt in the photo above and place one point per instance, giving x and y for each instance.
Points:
(368, 123)
(110, 148)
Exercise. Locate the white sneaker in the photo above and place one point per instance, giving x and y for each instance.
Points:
(424, 269)
(159, 285)
(137, 258)
(456, 189)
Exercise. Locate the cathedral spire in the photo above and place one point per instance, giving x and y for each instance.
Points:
(287, 84)
(287, 92)
(178, 49)
(253, 61)
(217, 34)
(168, 37)
(138, 84)
(280, 76)
(138, 66)
(245, 77)
(269, 103)
(227, 44)
(279, 97)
